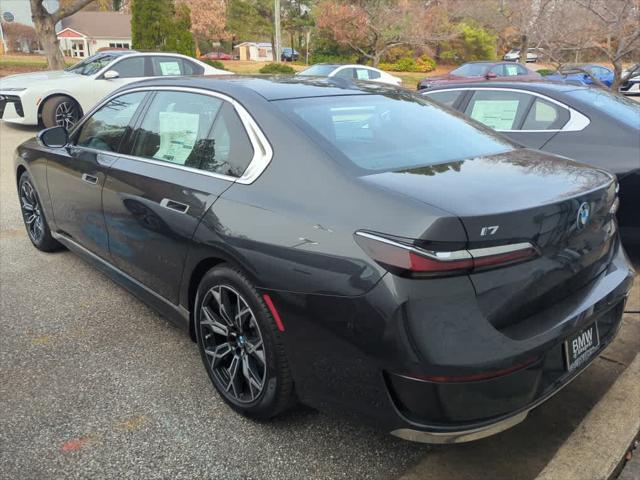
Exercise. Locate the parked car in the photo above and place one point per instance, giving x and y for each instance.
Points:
(533, 55)
(371, 261)
(350, 72)
(289, 55)
(631, 86)
(582, 74)
(481, 72)
(217, 56)
(61, 97)
(590, 125)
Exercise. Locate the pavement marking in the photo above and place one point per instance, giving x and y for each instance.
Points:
(75, 444)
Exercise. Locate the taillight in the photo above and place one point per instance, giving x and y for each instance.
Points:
(406, 259)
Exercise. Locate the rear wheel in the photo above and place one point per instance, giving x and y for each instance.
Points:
(33, 216)
(61, 111)
(240, 345)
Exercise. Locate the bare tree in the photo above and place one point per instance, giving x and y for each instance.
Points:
(616, 32)
(45, 25)
(524, 16)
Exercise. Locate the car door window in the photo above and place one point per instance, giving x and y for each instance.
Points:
(545, 115)
(498, 70)
(511, 70)
(166, 66)
(373, 75)
(498, 109)
(197, 131)
(105, 129)
(345, 73)
(522, 70)
(130, 67)
(191, 68)
(446, 97)
(362, 74)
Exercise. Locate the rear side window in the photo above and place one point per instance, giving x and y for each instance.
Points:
(345, 73)
(390, 132)
(167, 66)
(191, 68)
(130, 67)
(544, 115)
(373, 75)
(197, 131)
(498, 109)
(446, 97)
(105, 129)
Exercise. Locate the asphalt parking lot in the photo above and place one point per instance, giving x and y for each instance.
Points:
(97, 385)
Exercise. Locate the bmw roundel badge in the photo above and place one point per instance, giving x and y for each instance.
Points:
(583, 215)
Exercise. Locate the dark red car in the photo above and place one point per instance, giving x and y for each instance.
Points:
(216, 56)
(479, 72)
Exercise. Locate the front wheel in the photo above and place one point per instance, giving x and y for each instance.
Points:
(60, 111)
(33, 216)
(241, 346)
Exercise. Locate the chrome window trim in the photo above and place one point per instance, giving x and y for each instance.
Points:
(262, 151)
(456, 254)
(576, 123)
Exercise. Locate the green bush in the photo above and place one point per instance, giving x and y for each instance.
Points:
(546, 71)
(329, 58)
(215, 64)
(473, 43)
(277, 69)
(408, 64)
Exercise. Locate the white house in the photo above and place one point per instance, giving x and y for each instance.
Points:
(257, 51)
(85, 33)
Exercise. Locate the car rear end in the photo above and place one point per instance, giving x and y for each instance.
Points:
(489, 310)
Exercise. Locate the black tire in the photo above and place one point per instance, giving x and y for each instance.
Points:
(276, 393)
(33, 216)
(61, 111)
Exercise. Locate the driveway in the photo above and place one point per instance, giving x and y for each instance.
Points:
(96, 385)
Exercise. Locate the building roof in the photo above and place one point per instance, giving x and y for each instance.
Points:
(99, 24)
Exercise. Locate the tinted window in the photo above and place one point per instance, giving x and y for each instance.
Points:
(498, 70)
(471, 70)
(106, 127)
(498, 109)
(130, 67)
(318, 70)
(376, 132)
(373, 74)
(621, 108)
(197, 131)
(545, 115)
(346, 73)
(522, 70)
(446, 97)
(166, 66)
(191, 68)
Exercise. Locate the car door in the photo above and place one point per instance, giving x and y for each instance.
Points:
(186, 149)
(76, 173)
(528, 119)
(129, 69)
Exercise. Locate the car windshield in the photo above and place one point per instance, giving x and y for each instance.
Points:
(623, 109)
(471, 70)
(391, 132)
(92, 64)
(318, 70)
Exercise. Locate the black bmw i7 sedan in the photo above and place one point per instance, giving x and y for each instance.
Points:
(344, 245)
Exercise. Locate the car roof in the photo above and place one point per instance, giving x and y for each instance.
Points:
(270, 87)
(533, 85)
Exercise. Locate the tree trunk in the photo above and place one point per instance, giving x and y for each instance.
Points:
(617, 76)
(524, 47)
(46, 31)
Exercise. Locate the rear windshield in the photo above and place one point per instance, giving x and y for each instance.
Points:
(391, 132)
(623, 109)
(471, 70)
(318, 70)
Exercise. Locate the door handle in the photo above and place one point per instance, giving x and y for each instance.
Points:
(92, 179)
(173, 205)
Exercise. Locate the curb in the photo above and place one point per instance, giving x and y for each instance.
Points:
(596, 447)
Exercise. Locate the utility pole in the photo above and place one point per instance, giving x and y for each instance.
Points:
(276, 15)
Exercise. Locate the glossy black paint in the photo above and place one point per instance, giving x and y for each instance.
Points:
(353, 331)
(607, 142)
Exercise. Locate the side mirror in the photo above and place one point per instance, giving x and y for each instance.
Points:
(491, 75)
(110, 75)
(54, 137)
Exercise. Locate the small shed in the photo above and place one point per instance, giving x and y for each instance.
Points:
(255, 51)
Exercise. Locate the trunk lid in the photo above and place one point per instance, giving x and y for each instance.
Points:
(515, 197)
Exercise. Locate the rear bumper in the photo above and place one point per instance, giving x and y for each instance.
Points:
(366, 354)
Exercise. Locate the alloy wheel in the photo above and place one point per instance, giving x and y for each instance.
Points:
(31, 211)
(66, 115)
(232, 344)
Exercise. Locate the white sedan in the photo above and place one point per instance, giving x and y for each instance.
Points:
(62, 97)
(352, 72)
